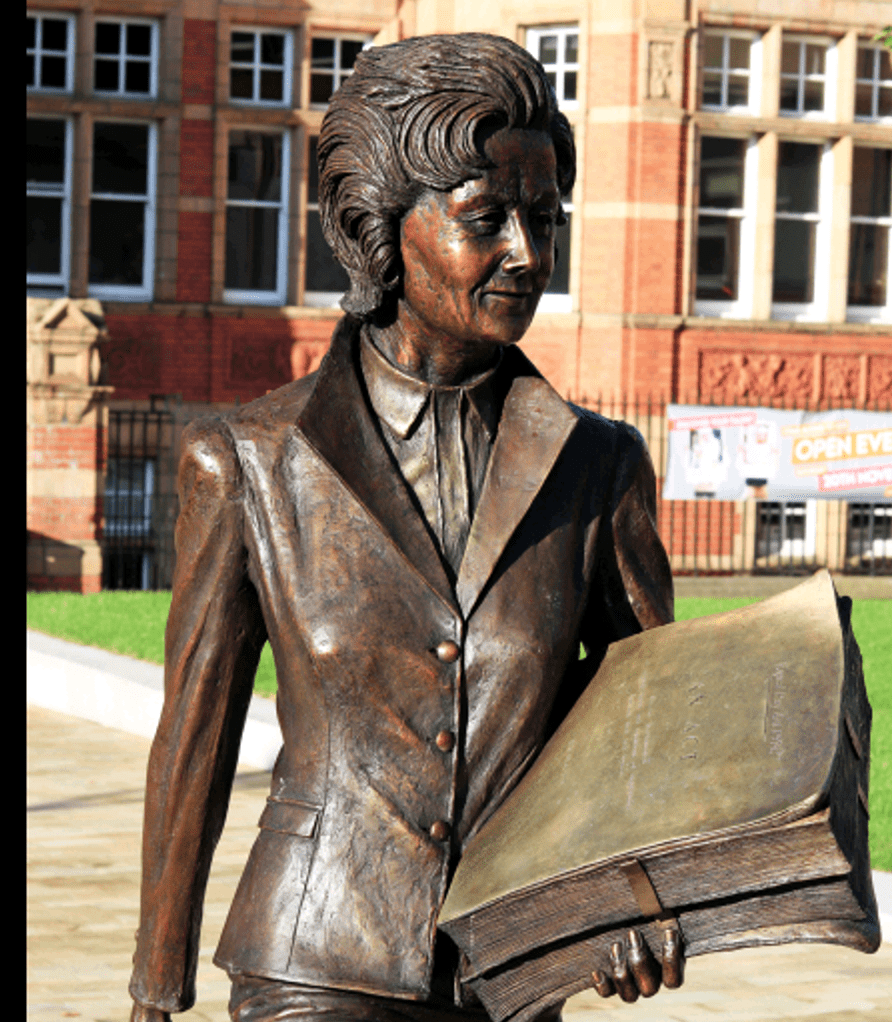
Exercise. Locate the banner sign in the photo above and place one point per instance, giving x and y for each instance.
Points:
(772, 454)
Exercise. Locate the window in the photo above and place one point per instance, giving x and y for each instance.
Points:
(786, 529)
(325, 280)
(730, 74)
(257, 217)
(870, 532)
(128, 555)
(804, 75)
(725, 227)
(260, 67)
(122, 211)
(869, 256)
(557, 49)
(797, 230)
(873, 83)
(331, 61)
(125, 61)
(50, 52)
(48, 202)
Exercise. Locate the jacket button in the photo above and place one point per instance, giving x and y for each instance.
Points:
(440, 830)
(448, 651)
(445, 741)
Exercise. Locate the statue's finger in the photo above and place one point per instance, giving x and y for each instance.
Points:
(603, 983)
(673, 959)
(642, 965)
(622, 978)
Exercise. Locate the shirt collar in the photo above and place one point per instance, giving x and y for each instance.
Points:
(400, 400)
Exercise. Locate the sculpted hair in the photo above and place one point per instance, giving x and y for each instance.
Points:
(408, 119)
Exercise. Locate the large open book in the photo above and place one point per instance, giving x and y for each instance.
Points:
(713, 776)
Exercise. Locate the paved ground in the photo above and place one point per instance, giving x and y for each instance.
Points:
(85, 793)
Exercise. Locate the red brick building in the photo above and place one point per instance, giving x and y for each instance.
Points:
(728, 236)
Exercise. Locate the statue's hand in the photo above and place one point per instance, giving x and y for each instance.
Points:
(141, 1013)
(634, 971)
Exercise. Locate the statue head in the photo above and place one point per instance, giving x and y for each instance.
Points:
(414, 117)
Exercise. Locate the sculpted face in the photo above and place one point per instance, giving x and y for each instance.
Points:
(477, 259)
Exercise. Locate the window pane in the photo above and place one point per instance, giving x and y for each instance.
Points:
(322, 53)
(790, 58)
(738, 52)
(255, 166)
(814, 59)
(136, 77)
(871, 175)
(350, 50)
(116, 242)
(868, 264)
(242, 47)
(106, 75)
(120, 158)
(560, 279)
(712, 88)
(571, 48)
(718, 252)
(548, 49)
(45, 151)
(251, 246)
(569, 85)
(712, 51)
(789, 94)
(885, 65)
(241, 83)
(721, 172)
(108, 37)
(139, 40)
(313, 170)
(738, 90)
(324, 272)
(272, 48)
(52, 72)
(29, 69)
(884, 101)
(797, 177)
(864, 65)
(864, 100)
(321, 88)
(814, 96)
(794, 261)
(44, 234)
(55, 34)
(271, 85)
(31, 33)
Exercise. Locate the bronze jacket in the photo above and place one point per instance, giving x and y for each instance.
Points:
(296, 527)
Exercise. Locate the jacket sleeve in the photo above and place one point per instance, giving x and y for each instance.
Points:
(212, 645)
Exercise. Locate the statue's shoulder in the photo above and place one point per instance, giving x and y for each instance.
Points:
(612, 434)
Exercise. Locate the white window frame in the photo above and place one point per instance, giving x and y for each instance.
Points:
(338, 74)
(123, 57)
(754, 72)
(60, 280)
(237, 296)
(828, 78)
(817, 310)
(256, 66)
(560, 67)
(133, 292)
(741, 307)
(874, 313)
(39, 51)
(876, 84)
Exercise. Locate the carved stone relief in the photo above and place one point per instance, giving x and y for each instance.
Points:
(730, 376)
(842, 375)
(660, 69)
(879, 378)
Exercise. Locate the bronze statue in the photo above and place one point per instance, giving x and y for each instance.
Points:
(425, 532)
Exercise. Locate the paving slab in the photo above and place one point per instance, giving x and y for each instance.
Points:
(85, 792)
(858, 587)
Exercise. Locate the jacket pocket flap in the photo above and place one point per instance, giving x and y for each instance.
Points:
(288, 817)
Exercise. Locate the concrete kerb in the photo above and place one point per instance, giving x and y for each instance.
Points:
(124, 693)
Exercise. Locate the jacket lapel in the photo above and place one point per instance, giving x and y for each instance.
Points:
(336, 422)
(535, 425)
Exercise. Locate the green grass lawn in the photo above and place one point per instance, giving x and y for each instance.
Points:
(133, 623)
